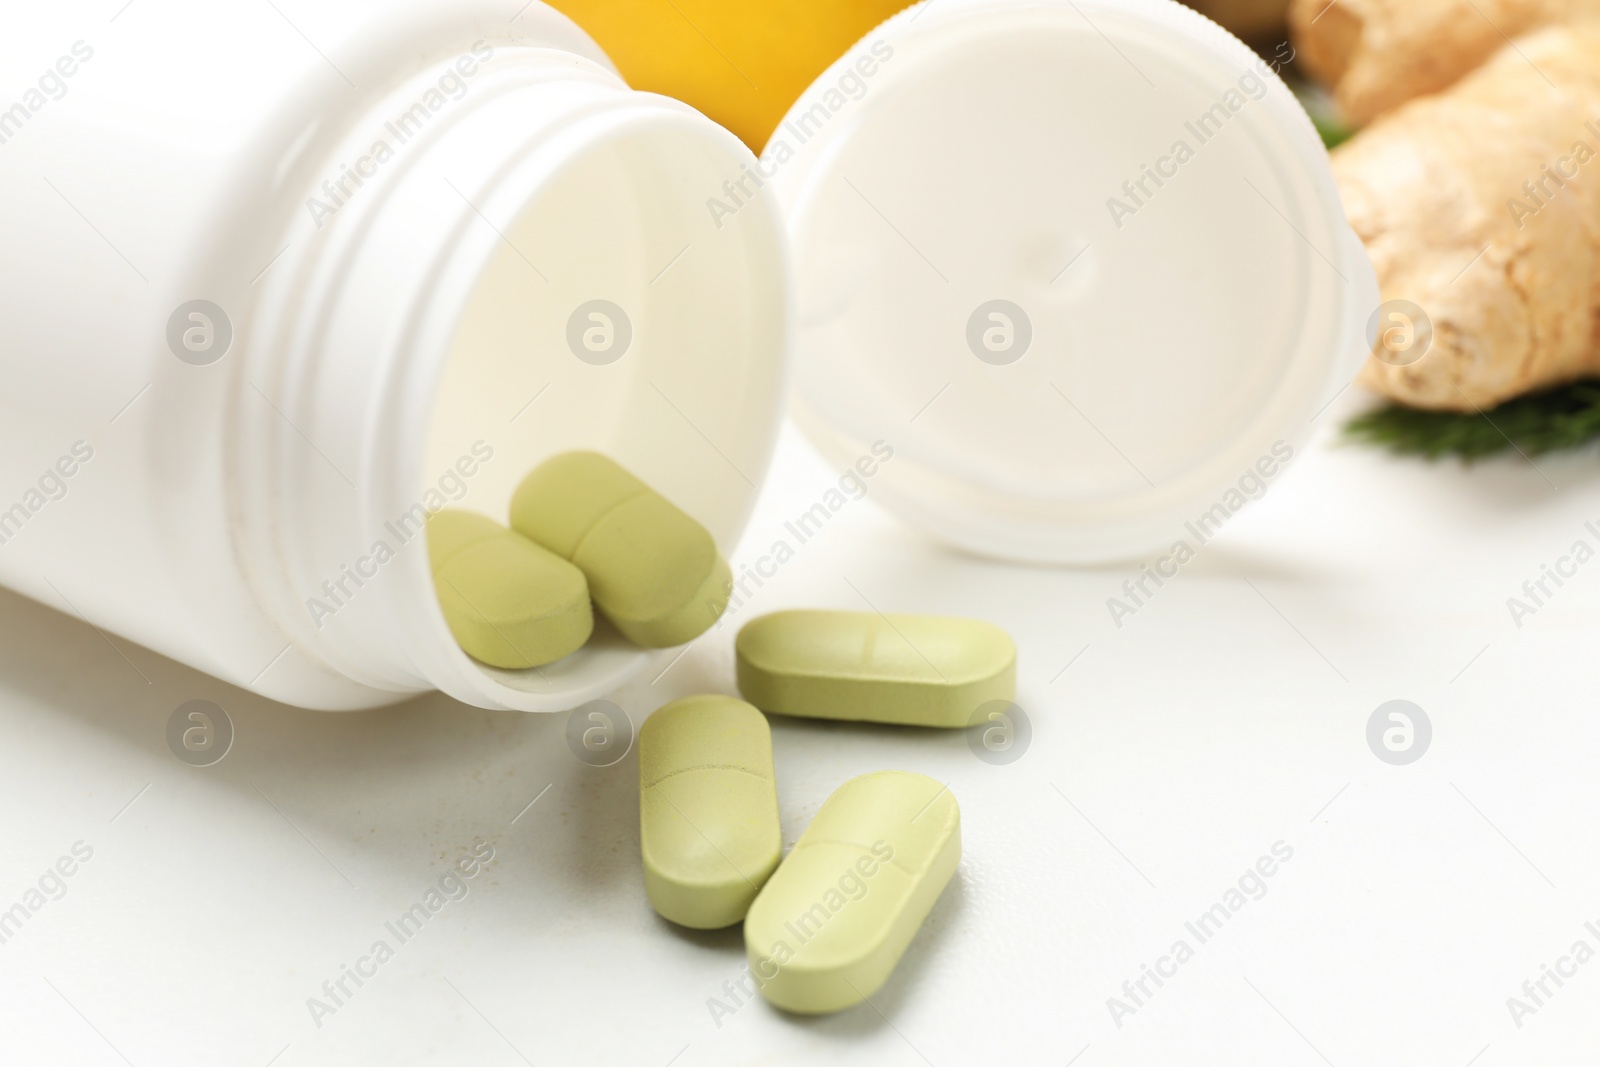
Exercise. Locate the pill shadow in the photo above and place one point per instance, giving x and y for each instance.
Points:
(846, 732)
(816, 756)
(584, 836)
(728, 941)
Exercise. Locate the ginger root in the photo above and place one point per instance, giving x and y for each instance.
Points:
(1481, 205)
(1377, 54)
(1253, 20)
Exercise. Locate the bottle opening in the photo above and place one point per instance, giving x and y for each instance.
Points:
(615, 314)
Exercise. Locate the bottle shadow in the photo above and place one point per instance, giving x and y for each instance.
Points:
(388, 794)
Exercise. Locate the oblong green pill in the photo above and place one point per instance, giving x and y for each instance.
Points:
(561, 499)
(508, 601)
(912, 670)
(708, 810)
(652, 569)
(830, 925)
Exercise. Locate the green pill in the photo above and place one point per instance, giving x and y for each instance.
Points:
(911, 670)
(708, 810)
(652, 570)
(831, 924)
(508, 601)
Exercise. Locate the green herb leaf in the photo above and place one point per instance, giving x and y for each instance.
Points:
(1565, 417)
(1333, 131)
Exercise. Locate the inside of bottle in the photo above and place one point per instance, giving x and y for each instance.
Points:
(618, 314)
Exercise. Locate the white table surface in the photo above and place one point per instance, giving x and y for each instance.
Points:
(1228, 715)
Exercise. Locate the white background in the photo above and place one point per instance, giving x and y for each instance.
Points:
(1229, 714)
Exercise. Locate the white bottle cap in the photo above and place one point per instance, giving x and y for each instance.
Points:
(1080, 263)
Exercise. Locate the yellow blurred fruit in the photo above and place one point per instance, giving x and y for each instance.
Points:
(742, 62)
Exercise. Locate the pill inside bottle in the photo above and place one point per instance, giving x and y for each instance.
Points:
(652, 569)
(510, 602)
(607, 367)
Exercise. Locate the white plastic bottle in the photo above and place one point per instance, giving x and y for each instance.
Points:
(279, 278)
